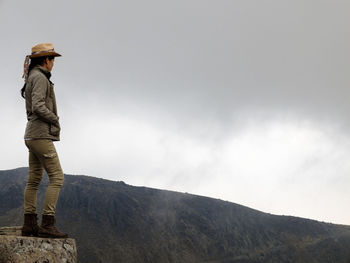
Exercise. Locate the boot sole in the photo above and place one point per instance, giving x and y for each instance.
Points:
(29, 234)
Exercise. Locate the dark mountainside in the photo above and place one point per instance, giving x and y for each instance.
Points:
(116, 222)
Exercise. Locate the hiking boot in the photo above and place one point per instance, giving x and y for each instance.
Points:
(48, 229)
(30, 226)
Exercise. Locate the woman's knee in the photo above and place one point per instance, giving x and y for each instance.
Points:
(57, 179)
(33, 184)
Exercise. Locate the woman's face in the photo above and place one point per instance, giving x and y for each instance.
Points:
(49, 63)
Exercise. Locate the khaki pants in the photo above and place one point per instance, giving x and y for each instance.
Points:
(42, 155)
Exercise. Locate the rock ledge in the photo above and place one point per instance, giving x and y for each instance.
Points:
(17, 249)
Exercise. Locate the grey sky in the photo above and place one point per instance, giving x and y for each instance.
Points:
(240, 100)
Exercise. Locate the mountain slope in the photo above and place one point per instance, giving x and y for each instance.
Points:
(116, 222)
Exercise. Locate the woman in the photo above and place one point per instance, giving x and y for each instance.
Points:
(42, 129)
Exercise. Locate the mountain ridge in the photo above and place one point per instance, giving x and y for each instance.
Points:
(115, 222)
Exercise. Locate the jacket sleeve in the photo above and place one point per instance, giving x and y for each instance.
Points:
(39, 91)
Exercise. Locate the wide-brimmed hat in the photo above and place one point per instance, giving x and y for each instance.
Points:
(43, 50)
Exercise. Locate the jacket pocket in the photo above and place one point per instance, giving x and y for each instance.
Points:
(55, 129)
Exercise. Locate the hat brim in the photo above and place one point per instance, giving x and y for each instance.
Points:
(45, 54)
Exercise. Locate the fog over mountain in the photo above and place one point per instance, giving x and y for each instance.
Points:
(246, 101)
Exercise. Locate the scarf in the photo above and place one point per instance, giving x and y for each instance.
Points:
(26, 68)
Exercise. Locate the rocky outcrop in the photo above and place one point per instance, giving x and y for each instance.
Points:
(17, 249)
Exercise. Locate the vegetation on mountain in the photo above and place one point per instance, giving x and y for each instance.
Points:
(116, 222)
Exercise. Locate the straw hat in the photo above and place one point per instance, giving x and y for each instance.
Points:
(43, 50)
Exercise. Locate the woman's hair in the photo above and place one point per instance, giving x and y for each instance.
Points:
(34, 62)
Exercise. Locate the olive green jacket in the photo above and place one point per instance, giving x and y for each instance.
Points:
(43, 122)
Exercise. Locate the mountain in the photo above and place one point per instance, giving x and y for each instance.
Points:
(115, 222)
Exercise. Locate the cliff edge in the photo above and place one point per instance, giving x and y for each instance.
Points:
(17, 249)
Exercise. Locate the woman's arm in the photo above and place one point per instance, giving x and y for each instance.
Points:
(40, 86)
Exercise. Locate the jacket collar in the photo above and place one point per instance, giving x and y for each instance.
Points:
(44, 71)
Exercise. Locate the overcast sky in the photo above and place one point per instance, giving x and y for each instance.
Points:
(242, 100)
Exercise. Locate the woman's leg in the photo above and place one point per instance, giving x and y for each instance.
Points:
(36, 170)
(45, 151)
(54, 171)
